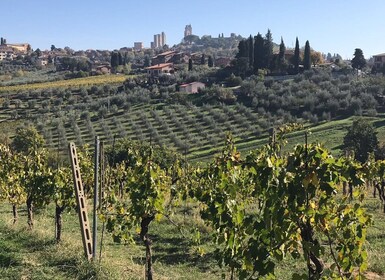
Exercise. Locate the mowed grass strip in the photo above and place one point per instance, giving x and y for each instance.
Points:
(87, 81)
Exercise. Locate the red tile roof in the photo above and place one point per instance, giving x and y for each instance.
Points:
(159, 66)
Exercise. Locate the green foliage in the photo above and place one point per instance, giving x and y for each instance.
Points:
(361, 139)
(27, 140)
(266, 207)
(296, 58)
(358, 61)
(307, 57)
(10, 176)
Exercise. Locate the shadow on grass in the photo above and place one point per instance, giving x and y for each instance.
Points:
(177, 251)
(15, 243)
(7, 259)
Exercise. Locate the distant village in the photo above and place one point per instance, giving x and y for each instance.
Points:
(156, 60)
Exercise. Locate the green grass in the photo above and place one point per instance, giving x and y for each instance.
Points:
(33, 254)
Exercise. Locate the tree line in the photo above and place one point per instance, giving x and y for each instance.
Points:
(257, 53)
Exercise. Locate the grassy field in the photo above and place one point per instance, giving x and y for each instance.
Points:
(34, 254)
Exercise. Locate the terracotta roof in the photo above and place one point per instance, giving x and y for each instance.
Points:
(185, 85)
(159, 66)
(164, 54)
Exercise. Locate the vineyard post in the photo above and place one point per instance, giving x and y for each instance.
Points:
(96, 187)
(101, 195)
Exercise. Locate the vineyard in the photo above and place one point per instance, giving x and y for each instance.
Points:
(250, 214)
(179, 200)
(71, 83)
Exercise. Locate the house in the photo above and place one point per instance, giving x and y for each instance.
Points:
(191, 87)
(3, 55)
(104, 69)
(41, 61)
(6, 53)
(379, 61)
(289, 53)
(21, 48)
(158, 69)
(196, 57)
(164, 57)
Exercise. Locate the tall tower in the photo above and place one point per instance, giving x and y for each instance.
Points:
(163, 39)
(156, 42)
(187, 30)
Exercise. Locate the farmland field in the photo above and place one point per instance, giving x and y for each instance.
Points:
(79, 82)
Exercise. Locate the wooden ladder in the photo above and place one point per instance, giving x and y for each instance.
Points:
(81, 203)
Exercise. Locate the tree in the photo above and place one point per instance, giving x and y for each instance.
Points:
(10, 178)
(258, 53)
(361, 139)
(37, 181)
(316, 58)
(203, 59)
(295, 209)
(36, 177)
(141, 191)
(281, 57)
(251, 51)
(120, 58)
(210, 61)
(26, 140)
(114, 59)
(307, 58)
(268, 50)
(53, 47)
(242, 49)
(190, 65)
(146, 61)
(296, 58)
(358, 61)
(37, 52)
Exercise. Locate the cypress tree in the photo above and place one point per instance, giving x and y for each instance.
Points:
(120, 58)
(268, 50)
(203, 59)
(210, 61)
(258, 52)
(296, 59)
(306, 57)
(190, 65)
(358, 61)
(242, 49)
(281, 56)
(114, 59)
(251, 52)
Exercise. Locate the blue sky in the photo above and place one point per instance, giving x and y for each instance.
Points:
(337, 26)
